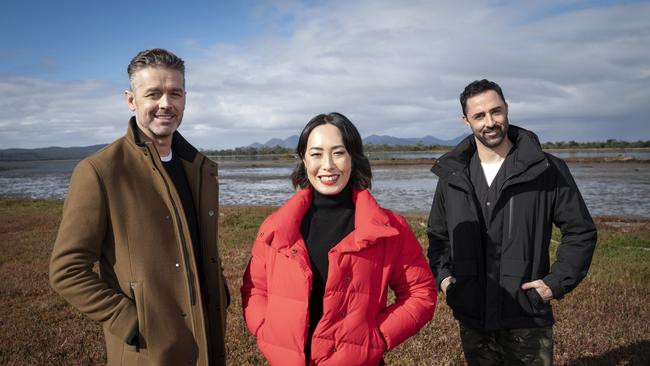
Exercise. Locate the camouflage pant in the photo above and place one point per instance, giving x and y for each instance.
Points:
(525, 346)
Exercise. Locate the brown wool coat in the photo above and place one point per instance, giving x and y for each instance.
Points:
(123, 212)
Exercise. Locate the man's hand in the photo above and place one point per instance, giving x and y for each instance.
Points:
(544, 291)
(445, 283)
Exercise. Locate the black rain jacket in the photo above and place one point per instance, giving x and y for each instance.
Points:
(538, 192)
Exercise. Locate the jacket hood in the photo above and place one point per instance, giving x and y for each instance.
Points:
(180, 146)
(527, 148)
(370, 222)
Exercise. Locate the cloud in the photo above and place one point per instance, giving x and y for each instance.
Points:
(56, 113)
(393, 67)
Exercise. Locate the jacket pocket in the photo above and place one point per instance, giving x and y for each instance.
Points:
(537, 305)
(137, 294)
(362, 344)
(517, 302)
(464, 296)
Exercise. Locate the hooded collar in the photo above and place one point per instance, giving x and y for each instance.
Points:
(370, 222)
(527, 151)
(180, 146)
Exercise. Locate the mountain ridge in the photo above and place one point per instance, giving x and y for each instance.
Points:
(80, 152)
(292, 141)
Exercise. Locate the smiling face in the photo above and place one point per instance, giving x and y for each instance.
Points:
(158, 100)
(487, 116)
(327, 162)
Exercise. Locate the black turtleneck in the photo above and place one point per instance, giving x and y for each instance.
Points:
(329, 219)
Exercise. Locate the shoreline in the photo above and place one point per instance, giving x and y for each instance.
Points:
(288, 159)
(385, 162)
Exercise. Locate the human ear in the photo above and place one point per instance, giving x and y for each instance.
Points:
(130, 100)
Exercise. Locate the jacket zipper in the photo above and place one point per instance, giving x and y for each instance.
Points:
(190, 276)
(510, 213)
(198, 206)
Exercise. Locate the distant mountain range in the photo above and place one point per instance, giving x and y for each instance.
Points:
(292, 141)
(426, 140)
(80, 152)
(50, 153)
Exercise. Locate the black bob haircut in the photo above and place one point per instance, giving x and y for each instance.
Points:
(361, 175)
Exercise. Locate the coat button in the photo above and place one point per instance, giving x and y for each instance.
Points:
(294, 251)
(487, 203)
(343, 314)
(333, 349)
(348, 278)
(177, 265)
(167, 217)
(210, 213)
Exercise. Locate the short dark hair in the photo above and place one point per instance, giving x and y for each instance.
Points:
(478, 87)
(152, 58)
(361, 175)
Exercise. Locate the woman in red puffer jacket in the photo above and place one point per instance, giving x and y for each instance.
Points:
(315, 290)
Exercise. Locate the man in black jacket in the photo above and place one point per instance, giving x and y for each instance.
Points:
(497, 198)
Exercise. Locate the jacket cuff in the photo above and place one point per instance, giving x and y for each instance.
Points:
(444, 273)
(554, 284)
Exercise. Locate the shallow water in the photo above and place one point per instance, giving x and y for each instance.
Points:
(617, 189)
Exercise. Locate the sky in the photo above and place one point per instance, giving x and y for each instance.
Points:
(256, 70)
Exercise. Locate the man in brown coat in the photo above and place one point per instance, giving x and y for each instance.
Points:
(145, 208)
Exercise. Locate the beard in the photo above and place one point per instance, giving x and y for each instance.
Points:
(500, 130)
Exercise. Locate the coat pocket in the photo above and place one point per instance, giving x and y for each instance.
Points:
(537, 305)
(517, 302)
(137, 294)
(464, 296)
(361, 344)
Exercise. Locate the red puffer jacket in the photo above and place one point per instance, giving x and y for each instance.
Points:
(357, 327)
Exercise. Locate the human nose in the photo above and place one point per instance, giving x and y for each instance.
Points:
(328, 162)
(489, 120)
(163, 102)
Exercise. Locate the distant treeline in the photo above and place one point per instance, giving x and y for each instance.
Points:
(250, 151)
(75, 153)
(609, 144)
(278, 150)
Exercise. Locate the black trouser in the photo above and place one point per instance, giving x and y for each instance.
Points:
(524, 346)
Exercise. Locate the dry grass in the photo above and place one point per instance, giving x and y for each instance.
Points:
(605, 321)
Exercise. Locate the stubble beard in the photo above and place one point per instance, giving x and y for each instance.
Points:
(162, 135)
(492, 142)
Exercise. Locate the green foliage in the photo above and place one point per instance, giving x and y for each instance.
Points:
(609, 144)
(418, 147)
(289, 153)
(251, 151)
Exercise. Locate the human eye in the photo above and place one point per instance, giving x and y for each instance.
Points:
(152, 94)
(341, 152)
